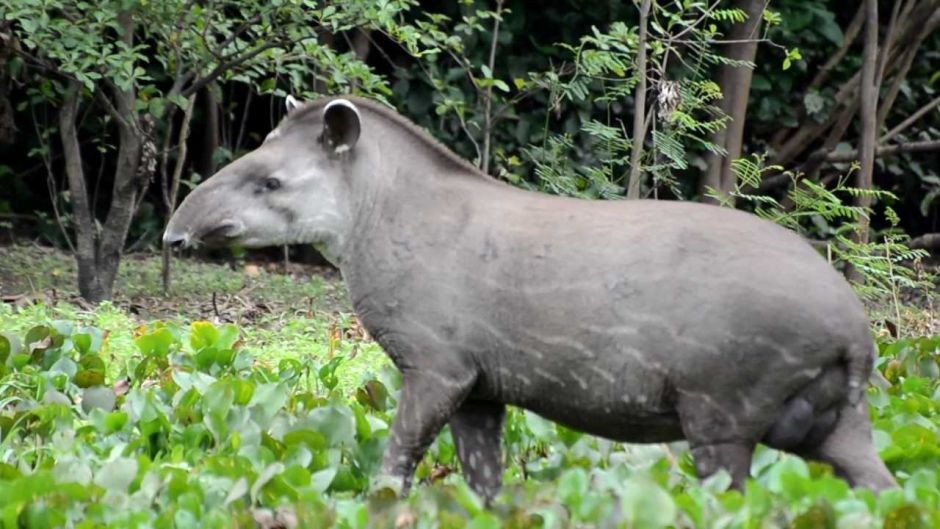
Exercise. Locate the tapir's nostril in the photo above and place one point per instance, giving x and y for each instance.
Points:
(175, 240)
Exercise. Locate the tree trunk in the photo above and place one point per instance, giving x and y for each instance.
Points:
(210, 137)
(98, 259)
(89, 284)
(639, 107)
(735, 83)
(868, 112)
(7, 125)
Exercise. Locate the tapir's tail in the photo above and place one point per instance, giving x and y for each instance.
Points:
(859, 362)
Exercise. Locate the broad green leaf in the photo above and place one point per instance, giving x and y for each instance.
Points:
(266, 475)
(156, 343)
(117, 474)
(98, 397)
(647, 504)
(203, 334)
(5, 348)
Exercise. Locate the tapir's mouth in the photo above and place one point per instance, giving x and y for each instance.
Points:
(224, 234)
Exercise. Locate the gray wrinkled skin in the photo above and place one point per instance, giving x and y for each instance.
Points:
(639, 321)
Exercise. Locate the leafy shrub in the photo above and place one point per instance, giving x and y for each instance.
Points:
(192, 430)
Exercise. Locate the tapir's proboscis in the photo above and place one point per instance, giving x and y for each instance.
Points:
(636, 320)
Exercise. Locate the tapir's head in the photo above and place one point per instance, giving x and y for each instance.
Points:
(289, 190)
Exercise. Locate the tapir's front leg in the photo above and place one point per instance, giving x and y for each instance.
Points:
(428, 400)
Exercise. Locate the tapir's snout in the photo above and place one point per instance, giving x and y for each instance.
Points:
(222, 233)
(200, 219)
(175, 240)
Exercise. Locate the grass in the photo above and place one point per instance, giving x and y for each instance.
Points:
(302, 314)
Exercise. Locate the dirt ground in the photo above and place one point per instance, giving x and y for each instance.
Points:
(244, 291)
(240, 290)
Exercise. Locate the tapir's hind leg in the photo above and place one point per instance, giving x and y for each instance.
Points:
(477, 429)
(733, 457)
(719, 436)
(851, 452)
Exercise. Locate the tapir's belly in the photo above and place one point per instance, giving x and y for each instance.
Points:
(613, 422)
(613, 396)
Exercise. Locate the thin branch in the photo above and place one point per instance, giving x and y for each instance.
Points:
(693, 25)
(223, 67)
(639, 107)
(488, 93)
(907, 60)
(244, 120)
(885, 47)
(777, 180)
(851, 33)
(175, 183)
(910, 120)
(50, 178)
(109, 107)
(165, 155)
(880, 152)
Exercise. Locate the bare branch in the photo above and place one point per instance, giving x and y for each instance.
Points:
(831, 157)
(907, 60)
(910, 120)
(880, 152)
(174, 183)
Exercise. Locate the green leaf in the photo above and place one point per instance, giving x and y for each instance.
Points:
(335, 422)
(313, 440)
(98, 397)
(156, 343)
(157, 107)
(237, 491)
(117, 474)
(203, 334)
(5, 348)
(373, 394)
(485, 520)
(646, 504)
(36, 338)
(266, 475)
(82, 342)
(108, 423)
(88, 378)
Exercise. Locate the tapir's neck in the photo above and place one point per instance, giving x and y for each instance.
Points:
(402, 196)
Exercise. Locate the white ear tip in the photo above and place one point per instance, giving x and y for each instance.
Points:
(291, 102)
(341, 102)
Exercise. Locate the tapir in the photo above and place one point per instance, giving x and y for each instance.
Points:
(639, 321)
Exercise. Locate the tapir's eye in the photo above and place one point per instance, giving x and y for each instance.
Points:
(271, 183)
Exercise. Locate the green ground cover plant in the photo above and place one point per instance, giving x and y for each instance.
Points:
(105, 422)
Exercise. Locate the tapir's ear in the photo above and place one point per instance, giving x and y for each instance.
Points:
(341, 125)
(291, 103)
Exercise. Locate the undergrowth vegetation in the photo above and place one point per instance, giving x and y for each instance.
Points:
(176, 424)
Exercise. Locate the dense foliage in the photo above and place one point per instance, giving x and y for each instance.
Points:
(190, 429)
(540, 95)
